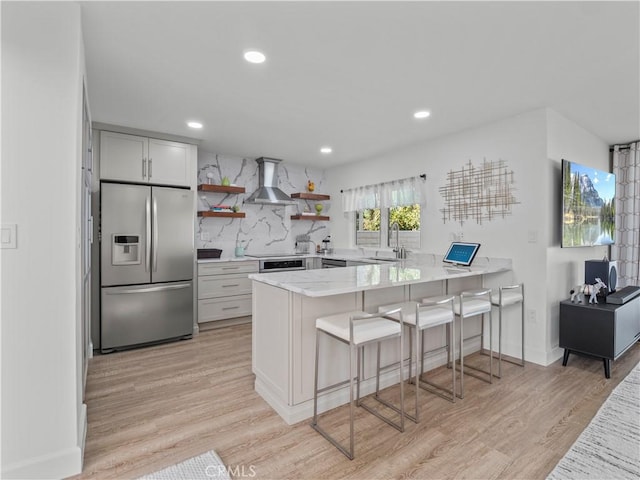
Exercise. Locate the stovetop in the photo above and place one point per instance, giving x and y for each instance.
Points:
(273, 255)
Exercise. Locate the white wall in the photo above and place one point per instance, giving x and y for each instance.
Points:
(526, 142)
(42, 417)
(565, 266)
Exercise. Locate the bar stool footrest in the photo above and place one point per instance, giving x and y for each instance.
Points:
(475, 375)
(388, 421)
(438, 390)
(331, 440)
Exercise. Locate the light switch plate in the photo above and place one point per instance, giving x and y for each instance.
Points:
(8, 235)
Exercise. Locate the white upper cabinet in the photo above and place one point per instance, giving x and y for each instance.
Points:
(169, 162)
(131, 158)
(123, 157)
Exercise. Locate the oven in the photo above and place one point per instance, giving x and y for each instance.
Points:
(281, 265)
(279, 262)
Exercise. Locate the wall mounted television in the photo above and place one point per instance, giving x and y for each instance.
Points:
(588, 206)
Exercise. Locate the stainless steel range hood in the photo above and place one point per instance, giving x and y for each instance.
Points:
(268, 191)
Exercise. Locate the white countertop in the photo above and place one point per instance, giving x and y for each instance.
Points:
(248, 258)
(335, 281)
(225, 259)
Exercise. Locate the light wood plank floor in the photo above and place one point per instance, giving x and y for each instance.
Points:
(153, 407)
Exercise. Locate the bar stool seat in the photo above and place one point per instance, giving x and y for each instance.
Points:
(432, 317)
(471, 307)
(469, 304)
(421, 317)
(366, 330)
(505, 297)
(508, 297)
(358, 329)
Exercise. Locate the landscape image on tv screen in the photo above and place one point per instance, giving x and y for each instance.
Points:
(588, 206)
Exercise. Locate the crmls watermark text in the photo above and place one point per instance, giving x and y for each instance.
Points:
(235, 471)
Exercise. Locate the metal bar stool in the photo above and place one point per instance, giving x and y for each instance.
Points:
(504, 297)
(428, 314)
(470, 304)
(358, 329)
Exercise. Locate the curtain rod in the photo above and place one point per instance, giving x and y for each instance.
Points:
(625, 146)
(423, 176)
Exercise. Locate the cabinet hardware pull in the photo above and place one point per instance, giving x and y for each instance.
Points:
(150, 167)
(148, 290)
(230, 268)
(233, 285)
(144, 168)
(147, 261)
(230, 308)
(155, 230)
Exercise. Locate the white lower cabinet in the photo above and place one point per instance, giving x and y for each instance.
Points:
(224, 290)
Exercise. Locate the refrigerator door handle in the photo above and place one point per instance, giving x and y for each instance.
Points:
(148, 234)
(155, 234)
(149, 289)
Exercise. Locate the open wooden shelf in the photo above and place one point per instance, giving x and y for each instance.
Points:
(314, 218)
(310, 196)
(221, 214)
(220, 188)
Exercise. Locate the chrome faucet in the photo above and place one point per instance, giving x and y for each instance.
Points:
(400, 251)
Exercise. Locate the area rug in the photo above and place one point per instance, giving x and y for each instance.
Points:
(206, 467)
(609, 448)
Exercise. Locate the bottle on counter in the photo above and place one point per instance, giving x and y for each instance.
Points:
(326, 244)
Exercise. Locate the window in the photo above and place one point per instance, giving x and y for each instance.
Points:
(368, 227)
(380, 206)
(375, 224)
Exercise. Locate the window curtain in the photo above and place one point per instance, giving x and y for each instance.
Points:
(360, 198)
(407, 191)
(626, 250)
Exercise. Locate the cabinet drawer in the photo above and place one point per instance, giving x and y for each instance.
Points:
(223, 285)
(222, 308)
(223, 268)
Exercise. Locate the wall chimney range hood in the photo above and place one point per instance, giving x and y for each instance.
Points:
(268, 191)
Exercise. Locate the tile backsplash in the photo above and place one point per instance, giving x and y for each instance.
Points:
(265, 228)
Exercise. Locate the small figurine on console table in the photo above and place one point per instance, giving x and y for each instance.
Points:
(580, 291)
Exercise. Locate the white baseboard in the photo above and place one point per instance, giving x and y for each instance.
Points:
(292, 414)
(62, 464)
(82, 431)
(554, 355)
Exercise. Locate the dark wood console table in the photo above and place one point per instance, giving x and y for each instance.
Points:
(603, 330)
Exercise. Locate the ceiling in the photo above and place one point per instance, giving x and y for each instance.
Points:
(351, 74)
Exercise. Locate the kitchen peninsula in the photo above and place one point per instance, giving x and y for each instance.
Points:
(286, 305)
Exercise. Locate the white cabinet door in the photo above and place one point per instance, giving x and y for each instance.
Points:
(131, 158)
(223, 308)
(213, 286)
(123, 157)
(224, 268)
(169, 162)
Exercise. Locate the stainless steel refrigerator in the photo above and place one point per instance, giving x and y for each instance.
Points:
(146, 270)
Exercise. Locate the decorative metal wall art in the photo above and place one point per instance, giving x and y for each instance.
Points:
(478, 193)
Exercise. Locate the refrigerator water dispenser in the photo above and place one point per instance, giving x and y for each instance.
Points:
(125, 249)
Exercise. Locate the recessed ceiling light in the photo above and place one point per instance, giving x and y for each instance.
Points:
(254, 56)
(194, 124)
(421, 114)
(326, 150)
